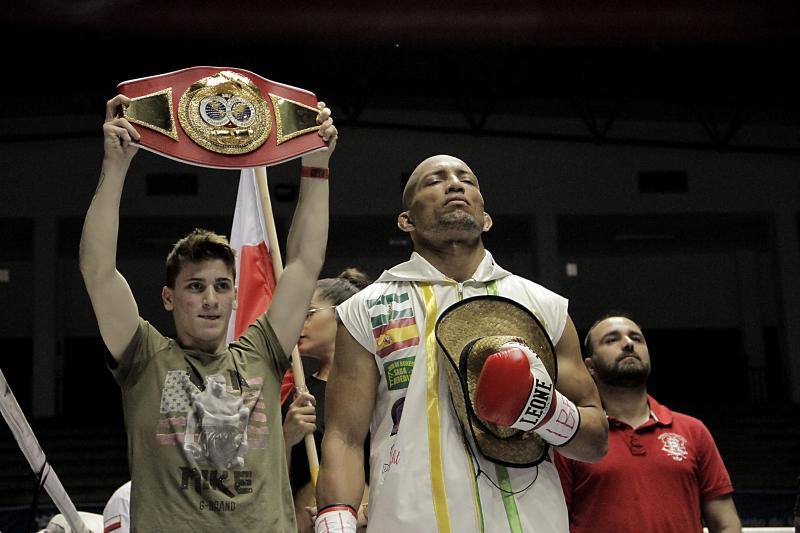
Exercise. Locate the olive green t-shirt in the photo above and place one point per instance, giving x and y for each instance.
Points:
(205, 443)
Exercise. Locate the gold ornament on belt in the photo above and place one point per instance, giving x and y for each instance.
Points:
(153, 111)
(225, 113)
(292, 118)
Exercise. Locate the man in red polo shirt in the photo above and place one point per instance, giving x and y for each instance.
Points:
(663, 472)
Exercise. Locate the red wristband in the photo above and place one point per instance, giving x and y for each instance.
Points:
(336, 518)
(339, 507)
(314, 172)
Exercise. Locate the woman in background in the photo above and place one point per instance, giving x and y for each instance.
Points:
(306, 412)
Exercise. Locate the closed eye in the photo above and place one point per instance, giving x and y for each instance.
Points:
(465, 177)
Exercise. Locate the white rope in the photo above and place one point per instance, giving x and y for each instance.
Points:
(36, 459)
(762, 530)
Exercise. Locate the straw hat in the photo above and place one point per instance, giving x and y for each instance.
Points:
(468, 332)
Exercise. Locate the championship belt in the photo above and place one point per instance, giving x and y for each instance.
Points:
(222, 117)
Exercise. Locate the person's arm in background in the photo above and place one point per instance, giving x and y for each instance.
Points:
(112, 300)
(363, 511)
(300, 420)
(306, 243)
(590, 444)
(716, 500)
(720, 515)
(350, 400)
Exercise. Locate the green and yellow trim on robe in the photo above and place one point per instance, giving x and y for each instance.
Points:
(432, 409)
(509, 501)
(440, 507)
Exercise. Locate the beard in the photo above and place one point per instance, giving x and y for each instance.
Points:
(627, 373)
(458, 221)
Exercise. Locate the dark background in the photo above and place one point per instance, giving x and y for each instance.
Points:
(654, 147)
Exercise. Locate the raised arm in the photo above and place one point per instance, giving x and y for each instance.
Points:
(111, 297)
(305, 246)
(590, 444)
(350, 400)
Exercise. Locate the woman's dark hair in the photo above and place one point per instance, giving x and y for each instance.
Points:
(338, 289)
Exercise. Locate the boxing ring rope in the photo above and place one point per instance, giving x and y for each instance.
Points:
(27, 442)
(763, 530)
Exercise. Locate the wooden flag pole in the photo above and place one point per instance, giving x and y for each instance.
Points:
(277, 266)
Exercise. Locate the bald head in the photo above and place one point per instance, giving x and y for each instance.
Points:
(422, 169)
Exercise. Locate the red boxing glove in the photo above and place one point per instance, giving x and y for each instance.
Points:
(515, 390)
(503, 386)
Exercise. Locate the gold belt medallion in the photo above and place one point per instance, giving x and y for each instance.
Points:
(225, 113)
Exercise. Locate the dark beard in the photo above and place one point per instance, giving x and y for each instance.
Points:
(459, 221)
(628, 376)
